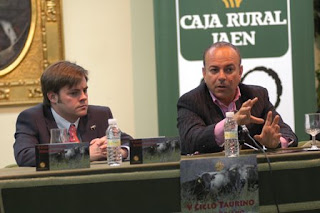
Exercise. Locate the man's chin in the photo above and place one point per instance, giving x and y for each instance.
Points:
(220, 94)
(82, 113)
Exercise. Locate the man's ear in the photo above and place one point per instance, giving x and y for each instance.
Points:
(241, 70)
(53, 97)
(204, 73)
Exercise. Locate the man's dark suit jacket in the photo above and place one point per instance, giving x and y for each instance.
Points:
(198, 115)
(34, 124)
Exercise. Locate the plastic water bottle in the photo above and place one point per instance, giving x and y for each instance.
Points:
(231, 143)
(114, 143)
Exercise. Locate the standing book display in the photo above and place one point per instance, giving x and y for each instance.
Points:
(60, 156)
(154, 150)
(219, 184)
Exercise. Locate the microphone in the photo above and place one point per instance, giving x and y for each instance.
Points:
(246, 131)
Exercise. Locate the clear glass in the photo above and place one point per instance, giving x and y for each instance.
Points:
(59, 136)
(312, 127)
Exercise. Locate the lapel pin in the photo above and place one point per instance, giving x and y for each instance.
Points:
(93, 127)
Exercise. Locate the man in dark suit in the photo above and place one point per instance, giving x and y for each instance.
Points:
(65, 102)
(201, 112)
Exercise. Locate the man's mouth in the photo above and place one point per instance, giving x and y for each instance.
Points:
(221, 87)
(82, 107)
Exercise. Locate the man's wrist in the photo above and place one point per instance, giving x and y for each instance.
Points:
(125, 152)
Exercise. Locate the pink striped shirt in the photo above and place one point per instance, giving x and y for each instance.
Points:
(218, 130)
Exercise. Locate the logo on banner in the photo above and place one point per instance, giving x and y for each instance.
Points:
(232, 3)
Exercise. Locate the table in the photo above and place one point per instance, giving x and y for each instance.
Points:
(153, 187)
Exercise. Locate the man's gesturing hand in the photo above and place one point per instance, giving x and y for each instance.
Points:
(244, 117)
(270, 135)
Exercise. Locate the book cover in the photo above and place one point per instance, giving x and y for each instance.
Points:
(60, 156)
(155, 150)
(225, 185)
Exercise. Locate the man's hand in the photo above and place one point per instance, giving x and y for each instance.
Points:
(244, 117)
(98, 149)
(124, 153)
(270, 135)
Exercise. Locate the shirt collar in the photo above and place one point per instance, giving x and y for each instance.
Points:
(61, 122)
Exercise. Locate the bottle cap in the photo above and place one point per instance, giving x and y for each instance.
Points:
(112, 121)
(229, 114)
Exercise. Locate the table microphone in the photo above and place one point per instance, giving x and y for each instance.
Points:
(246, 131)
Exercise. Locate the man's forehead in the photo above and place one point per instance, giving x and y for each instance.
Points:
(78, 86)
(224, 49)
(223, 65)
(222, 55)
(225, 62)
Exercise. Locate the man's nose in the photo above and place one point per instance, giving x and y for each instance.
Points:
(222, 75)
(84, 96)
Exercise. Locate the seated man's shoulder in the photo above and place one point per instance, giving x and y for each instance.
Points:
(246, 88)
(34, 109)
(33, 113)
(250, 86)
(99, 109)
(99, 113)
(198, 91)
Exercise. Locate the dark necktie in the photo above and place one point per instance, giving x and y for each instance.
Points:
(73, 134)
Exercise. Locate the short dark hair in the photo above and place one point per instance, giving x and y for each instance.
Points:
(217, 45)
(60, 74)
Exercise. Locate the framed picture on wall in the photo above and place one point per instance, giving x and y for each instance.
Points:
(30, 40)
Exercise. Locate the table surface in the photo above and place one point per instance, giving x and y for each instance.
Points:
(100, 167)
(303, 167)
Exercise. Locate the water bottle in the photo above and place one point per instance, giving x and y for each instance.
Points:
(114, 143)
(231, 143)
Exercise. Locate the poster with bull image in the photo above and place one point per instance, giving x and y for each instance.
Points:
(224, 185)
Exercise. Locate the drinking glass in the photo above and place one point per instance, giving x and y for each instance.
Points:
(58, 136)
(312, 127)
